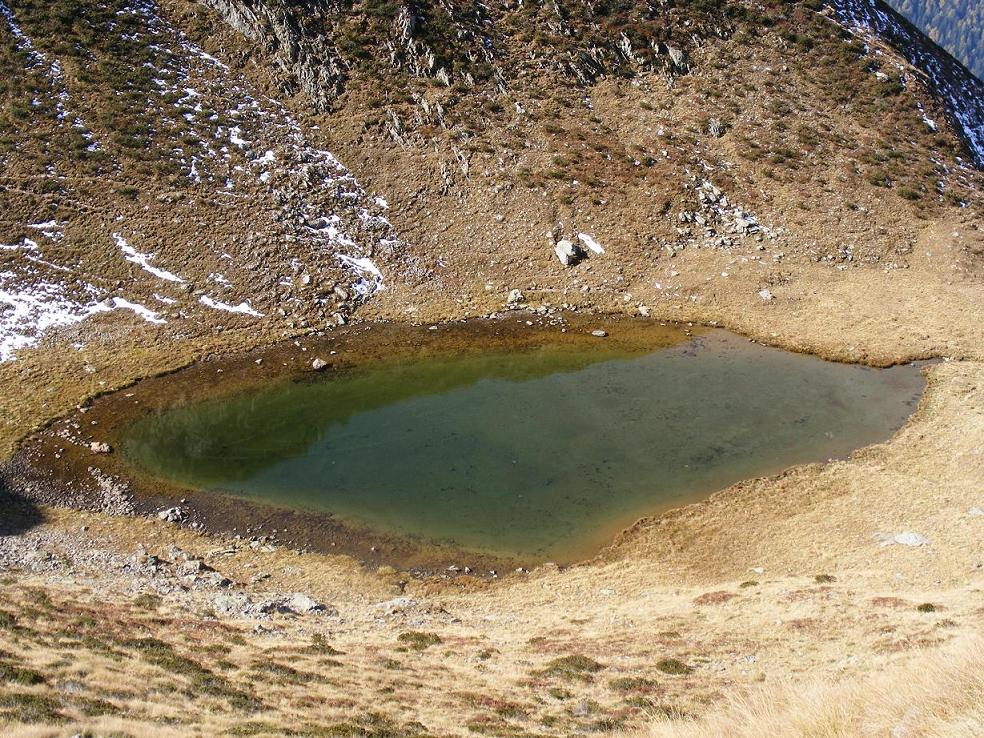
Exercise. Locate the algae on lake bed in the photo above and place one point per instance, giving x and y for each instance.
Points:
(540, 453)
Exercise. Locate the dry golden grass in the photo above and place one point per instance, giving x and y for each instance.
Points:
(935, 693)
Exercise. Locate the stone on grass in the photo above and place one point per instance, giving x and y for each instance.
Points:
(908, 538)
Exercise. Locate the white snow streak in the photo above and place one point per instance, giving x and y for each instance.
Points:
(242, 307)
(143, 260)
(371, 279)
(115, 303)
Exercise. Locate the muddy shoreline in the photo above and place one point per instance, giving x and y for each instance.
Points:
(57, 466)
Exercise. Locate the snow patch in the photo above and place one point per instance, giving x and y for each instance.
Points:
(118, 303)
(371, 279)
(242, 307)
(143, 260)
(236, 138)
(28, 311)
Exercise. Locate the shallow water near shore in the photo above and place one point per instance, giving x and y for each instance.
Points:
(542, 453)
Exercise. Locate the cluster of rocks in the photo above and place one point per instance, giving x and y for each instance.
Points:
(113, 495)
(721, 223)
(182, 576)
(193, 573)
(240, 604)
(571, 252)
(173, 515)
(190, 571)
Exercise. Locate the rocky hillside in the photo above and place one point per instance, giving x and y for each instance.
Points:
(143, 176)
(181, 169)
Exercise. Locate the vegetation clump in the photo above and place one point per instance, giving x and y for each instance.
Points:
(633, 684)
(19, 675)
(575, 666)
(31, 708)
(674, 667)
(161, 654)
(417, 640)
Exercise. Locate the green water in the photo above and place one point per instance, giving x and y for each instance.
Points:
(541, 453)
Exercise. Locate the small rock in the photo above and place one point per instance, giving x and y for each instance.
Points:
(172, 515)
(515, 297)
(975, 512)
(765, 294)
(214, 579)
(319, 364)
(567, 252)
(301, 604)
(599, 333)
(100, 447)
(231, 604)
(907, 538)
(194, 566)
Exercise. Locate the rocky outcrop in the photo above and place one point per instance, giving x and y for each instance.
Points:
(311, 60)
(320, 45)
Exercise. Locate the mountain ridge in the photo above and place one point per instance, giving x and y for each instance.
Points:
(958, 25)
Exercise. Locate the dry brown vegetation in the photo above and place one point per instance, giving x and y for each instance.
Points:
(936, 693)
